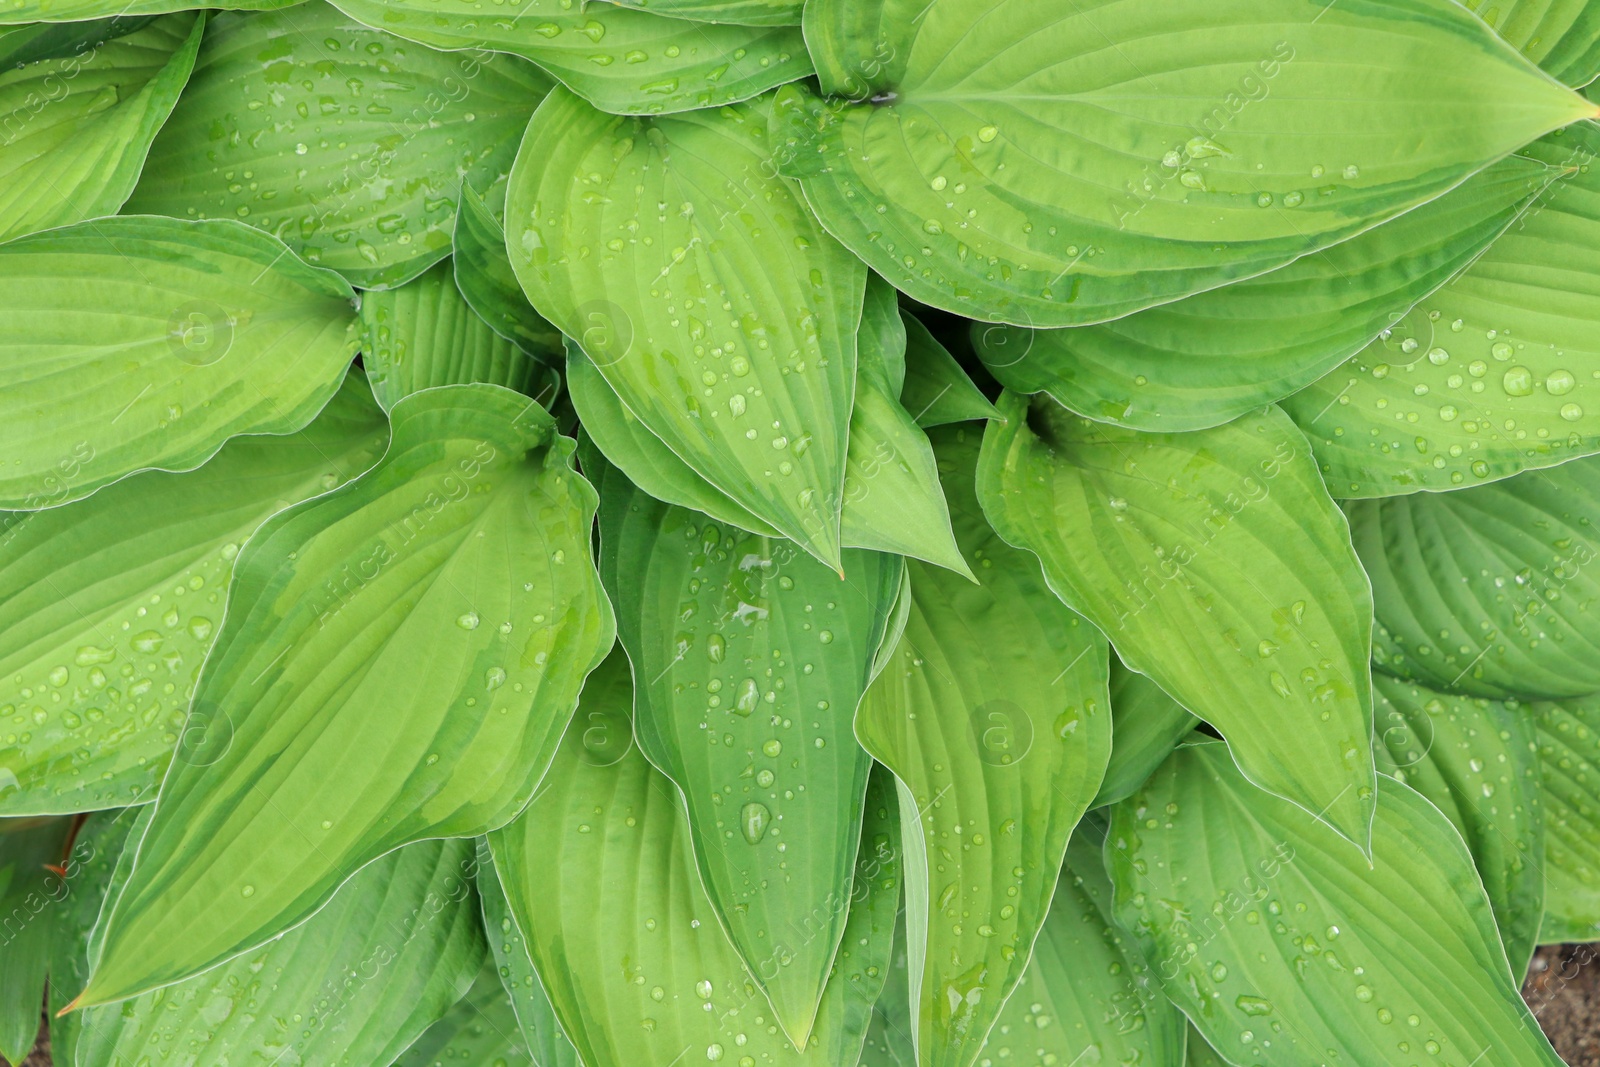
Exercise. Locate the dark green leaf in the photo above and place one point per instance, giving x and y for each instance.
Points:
(1146, 725)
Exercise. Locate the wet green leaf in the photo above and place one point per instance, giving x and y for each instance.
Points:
(30, 899)
(1569, 762)
(483, 273)
(1146, 725)
(480, 1029)
(937, 391)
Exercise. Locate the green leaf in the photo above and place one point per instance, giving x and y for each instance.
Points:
(1197, 1053)
(1283, 945)
(445, 598)
(752, 387)
(994, 717)
(889, 1042)
(937, 391)
(396, 946)
(30, 896)
(535, 1015)
(667, 64)
(423, 334)
(19, 11)
(360, 160)
(1489, 591)
(1057, 165)
(1477, 761)
(109, 605)
(615, 829)
(738, 12)
(138, 343)
(1227, 537)
(32, 42)
(483, 273)
(750, 659)
(1146, 725)
(1562, 36)
(893, 501)
(1491, 374)
(74, 130)
(480, 1029)
(1569, 760)
(1211, 357)
(1086, 988)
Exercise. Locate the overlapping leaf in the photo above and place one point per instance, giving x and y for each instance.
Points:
(109, 605)
(483, 274)
(1490, 591)
(614, 827)
(141, 342)
(628, 62)
(1284, 945)
(1561, 36)
(74, 129)
(1211, 357)
(1491, 375)
(30, 898)
(750, 658)
(704, 292)
(395, 948)
(398, 661)
(347, 142)
(1569, 763)
(1146, 725)
(535, 1016)
(24, 11)
(994, 717)
(480, 1029)
(1228, 537)
(1476, 760)
(1056, 165)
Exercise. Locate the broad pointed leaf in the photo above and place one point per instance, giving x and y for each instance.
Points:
(74, 130)
(398, 661)
(994, 717)
(360, 159)
(666, 64)
(739, 12)
(1492, 374)
(483, 273)
(725, 321)
(423, 334)
(109, 605)
(479, 1029)
(1087, 993)
(1211, 357)
(20, 11)
(396, 946)
(1489, 591)
(1569, 763)
(535, 1016)
(30, 896)
(750, 658)
(937, 391)
(1227, 537)
(1146, 725)
(137, 343)
(1056, 165)
(1283, 945)
(614, 827)
(1477, 761)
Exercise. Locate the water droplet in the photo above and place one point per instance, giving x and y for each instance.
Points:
(469, 621)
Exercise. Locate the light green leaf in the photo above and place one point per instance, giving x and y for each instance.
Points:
(535, 1015)
(446, 598)
(1211, 357)
(747, 642)
(1056, 165)
(423, 334)
(1087, 993)
(31, 42)
(1477, 761)
(1227, 537)
(20, 11)
(361, 157)
(739, 12)
(727, 324)
(1569, 759)
(1283, 945)
(994, 717)
(615, 829)
(481, 1029)
(1562, 36)
(74, 130)
(30, 896)
(396, 946)
(138, 343)
(937, 391)
(667, 64)
(1146, 725)
(109, 605)
(1489, 591)
(483, 273)
(1490, 375)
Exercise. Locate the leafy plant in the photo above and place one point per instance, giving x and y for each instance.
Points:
(870, 533)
